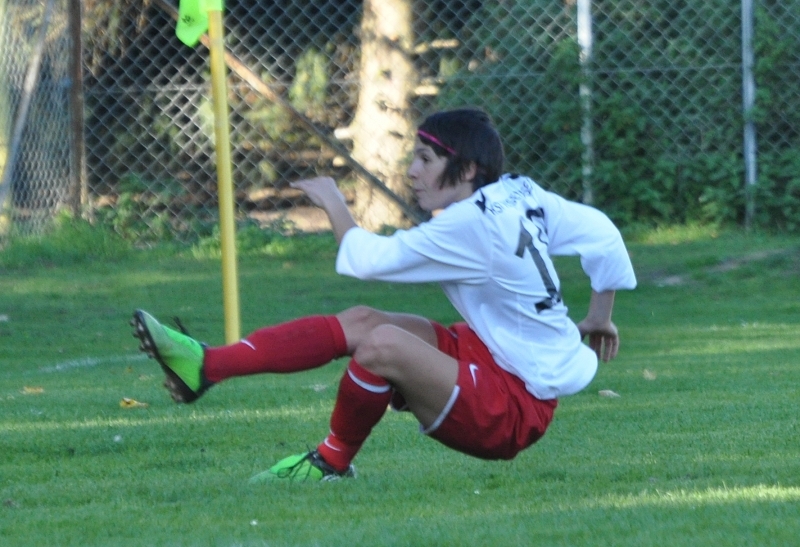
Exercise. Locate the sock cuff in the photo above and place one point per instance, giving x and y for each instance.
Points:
(339, 339)
(337, 453)
(366, 379)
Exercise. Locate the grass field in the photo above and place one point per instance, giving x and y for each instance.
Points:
(700, 448)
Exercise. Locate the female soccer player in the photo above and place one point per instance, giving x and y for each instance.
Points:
(487, 386)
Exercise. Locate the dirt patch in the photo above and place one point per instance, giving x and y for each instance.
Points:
(300, 219)
(723, 267)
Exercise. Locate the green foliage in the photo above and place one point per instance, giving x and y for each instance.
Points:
(308, 91)
(528, 82)
(777, 45)
(665, 149)
(66, 241)
(271, 131)
(777, 116)
(626, 178)
(251, 239)
(150, 212)
(777, 195)
(671, 235)
(666, 106)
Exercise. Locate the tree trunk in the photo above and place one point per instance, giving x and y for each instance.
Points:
(382, 129)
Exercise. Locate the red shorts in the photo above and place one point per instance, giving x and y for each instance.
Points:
(490, 415)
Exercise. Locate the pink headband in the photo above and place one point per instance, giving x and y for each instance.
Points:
(436, 141)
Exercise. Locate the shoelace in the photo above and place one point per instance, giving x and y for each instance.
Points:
(288, 472)
(185, 331)
(314, 461)
(180, 326)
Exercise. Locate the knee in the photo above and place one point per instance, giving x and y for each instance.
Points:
(357, 322)
(379, 348)
(359, 315)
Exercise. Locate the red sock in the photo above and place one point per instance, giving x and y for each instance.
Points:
(301, 344)
(360, 404)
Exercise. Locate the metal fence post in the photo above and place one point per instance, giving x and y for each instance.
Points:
(748, 102)
(587, 135)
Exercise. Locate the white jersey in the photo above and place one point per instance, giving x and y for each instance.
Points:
(491, 255)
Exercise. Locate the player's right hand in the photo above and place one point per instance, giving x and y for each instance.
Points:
(320, 190)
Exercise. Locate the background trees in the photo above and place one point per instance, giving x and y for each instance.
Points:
(359, 74)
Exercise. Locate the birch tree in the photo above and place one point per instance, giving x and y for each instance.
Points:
(382, 128)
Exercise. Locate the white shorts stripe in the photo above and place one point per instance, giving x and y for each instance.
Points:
(445, 411)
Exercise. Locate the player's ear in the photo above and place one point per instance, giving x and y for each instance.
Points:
(470, 172)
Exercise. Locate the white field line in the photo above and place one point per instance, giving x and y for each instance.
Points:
(75, 364)
(88, 362)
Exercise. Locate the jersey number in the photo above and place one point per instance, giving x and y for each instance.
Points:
(526, 242)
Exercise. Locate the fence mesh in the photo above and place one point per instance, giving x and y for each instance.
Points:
(34, 113)
(659, 138)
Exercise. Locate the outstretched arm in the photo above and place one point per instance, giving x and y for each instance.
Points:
(324, 193)
(602, 333)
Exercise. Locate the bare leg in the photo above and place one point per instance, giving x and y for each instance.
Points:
(390, 350)
(358, 322)
(402, 349)
(424, 376)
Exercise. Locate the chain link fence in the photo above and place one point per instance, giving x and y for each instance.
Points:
(632, 105)
(34, 113)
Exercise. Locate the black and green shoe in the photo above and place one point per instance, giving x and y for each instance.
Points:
(180, 355)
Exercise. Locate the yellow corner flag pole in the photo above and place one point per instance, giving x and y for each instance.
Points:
(195, 16)
(227, 229)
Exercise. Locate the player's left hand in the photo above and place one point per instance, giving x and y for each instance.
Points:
(603, 338)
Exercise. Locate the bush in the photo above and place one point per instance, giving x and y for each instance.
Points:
(666, 149)
(277, 240)
(67, 241)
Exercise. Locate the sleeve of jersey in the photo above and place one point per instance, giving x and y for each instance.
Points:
(577, 229)
(441, 250)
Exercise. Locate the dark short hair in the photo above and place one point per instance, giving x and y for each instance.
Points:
(465, 135)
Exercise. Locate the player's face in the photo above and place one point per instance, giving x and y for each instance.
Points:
(425, 173)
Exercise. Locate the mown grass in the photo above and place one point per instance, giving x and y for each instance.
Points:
(700, 447)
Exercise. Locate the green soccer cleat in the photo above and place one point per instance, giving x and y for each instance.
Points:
(308, 466)
(179, 355)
